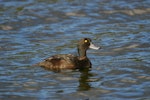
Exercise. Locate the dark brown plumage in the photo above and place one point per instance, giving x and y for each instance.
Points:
(69, 61)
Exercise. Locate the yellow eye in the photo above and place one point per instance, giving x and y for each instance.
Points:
(85, 41)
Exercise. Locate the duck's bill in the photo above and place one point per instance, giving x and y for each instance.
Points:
(92, 46)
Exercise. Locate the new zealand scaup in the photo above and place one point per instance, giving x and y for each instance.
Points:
(69, 61)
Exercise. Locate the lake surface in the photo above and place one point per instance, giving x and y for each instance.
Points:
(32, 30)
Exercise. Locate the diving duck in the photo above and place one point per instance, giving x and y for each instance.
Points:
(69, 61)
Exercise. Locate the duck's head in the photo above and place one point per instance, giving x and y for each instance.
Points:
(85, 44)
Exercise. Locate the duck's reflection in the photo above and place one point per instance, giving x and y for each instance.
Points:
(84, 80)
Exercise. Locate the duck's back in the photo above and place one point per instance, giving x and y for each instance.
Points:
(61, 61)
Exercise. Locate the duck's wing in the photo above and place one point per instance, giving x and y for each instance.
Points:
(62, 61)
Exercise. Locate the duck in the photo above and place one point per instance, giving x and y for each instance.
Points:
(70, 61)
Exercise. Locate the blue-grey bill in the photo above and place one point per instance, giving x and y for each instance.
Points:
(92, 46)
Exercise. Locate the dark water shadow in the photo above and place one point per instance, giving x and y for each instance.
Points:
(84, 78)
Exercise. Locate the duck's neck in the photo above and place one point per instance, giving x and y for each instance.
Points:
(82, 53)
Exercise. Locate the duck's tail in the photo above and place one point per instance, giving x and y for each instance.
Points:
(36, 65)
(41, 64)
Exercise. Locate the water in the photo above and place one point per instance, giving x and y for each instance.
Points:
(32, 30)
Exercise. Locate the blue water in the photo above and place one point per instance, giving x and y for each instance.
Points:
(32, 30)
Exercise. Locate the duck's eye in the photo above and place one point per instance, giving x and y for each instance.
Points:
(85, 40)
